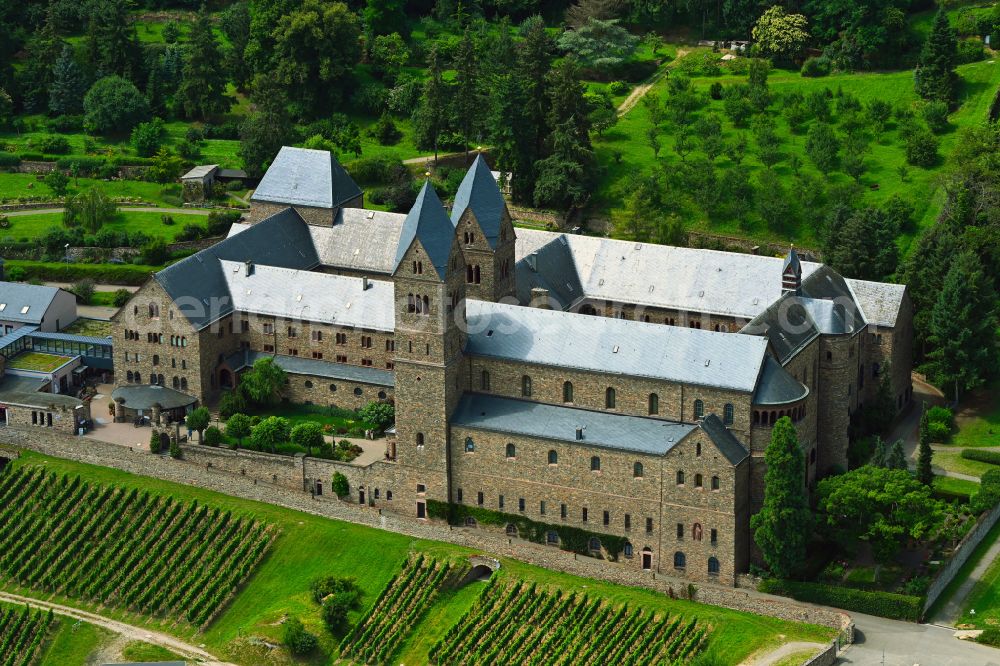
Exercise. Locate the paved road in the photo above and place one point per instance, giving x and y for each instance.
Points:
(909, 644)
(137, 209)
(175, 645)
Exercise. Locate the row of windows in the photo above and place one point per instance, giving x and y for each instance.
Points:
(611, 398)
(697, 533)
(418, 304)
(770, 418)
(333, 389)
(563, 510)
(680, 563)
(699, 480)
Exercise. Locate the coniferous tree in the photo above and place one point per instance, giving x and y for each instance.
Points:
(68, 85)
(935, 77)
(267, 128)
(43, 51)
(235, 25)
(782, 526)
(203, 89)
(924, 455)
(964, 327)
(112, 43)
(431, 116)
(467, 99)
(534, 59)
(880, 453)
(897, 456)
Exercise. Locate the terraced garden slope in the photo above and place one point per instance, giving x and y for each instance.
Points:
(123, 548)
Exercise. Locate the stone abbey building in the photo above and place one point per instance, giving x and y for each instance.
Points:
(624, 389)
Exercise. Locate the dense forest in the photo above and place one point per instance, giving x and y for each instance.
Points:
(788, 137)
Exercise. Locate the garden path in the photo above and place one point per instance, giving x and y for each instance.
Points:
(129, 631)
(640, 90)
(948, 613)
(785, 650)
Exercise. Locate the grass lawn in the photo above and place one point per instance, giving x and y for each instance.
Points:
(965, 571)
(955, 486)
(627, 141)
(979, 419)
(31, 227)
(74, 643)
(83, 326)
(954, 462)
(985, 596)
(296, 414)
(37, 361)
(796, 658)
(310, 546)
(25, 185)
(138, 651)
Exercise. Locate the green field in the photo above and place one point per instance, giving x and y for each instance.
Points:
(74, 643)
(953, 486)
(953, 461)
(14, 186)
(628, 140)
(979, 420)
(985, 596)
(280, 585)
(35, 226)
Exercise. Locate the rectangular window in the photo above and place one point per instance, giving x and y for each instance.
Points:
(268, 329)
(628, 521)
(680, 531)
(366, 362)
(389, 365)
(293, 352)
(520, 504)
(649, 525)
(292, 332)
(584, 514)
(607, 518)
(244, 326)
(390, 345)
(269, 348)
(541, 507)
(421, 488)
(341, 358)
(317, 336)
(318, 355)
(458, 495)
(715, 536)
(500, 502)
(479, 498)
(562, 511)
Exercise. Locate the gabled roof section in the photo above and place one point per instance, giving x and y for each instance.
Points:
(792, 265)
(614, 346)
(304, 177)
(198, 285)
(880, 301)
(427, 222)
(549, 267)
(479, 192)
(724, 440)
(776, 386)
(16, 296)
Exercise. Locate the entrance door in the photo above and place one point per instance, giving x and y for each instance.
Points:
(421, 509)
(647, 560)
(361, 497)
(319, 487)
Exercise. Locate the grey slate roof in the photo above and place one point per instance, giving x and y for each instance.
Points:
(303, 177)
(549, 267)
(880, 301)
(427, 222)
(298, 365)
(143, 396)
(606, 345)
(198, 284)
(14, 296)
(776, 386)
(686, 279)
(72, 337)
(200, 171)
(16, 334)
(479, 191)
(312, 296)
(724, 440)
(559, 423)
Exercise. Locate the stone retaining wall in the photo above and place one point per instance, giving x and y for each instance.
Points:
(197, 472)
(961, 555)
(824, 658)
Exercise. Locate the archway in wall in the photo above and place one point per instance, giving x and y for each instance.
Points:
(482, 569)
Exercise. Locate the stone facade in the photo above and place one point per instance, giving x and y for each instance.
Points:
(62, 418)
(323, 217)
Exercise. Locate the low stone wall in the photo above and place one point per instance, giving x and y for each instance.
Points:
(961, 556)
(194, 469)
(699, 239)
(824, 658)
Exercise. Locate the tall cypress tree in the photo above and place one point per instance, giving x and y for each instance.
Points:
(203, 88)
(964, 326)
(68, 85)
(924, 472)
(782, 526)
(935, 77)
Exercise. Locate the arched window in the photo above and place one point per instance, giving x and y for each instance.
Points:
(697, 449)
(594, 545)
(476, 275)
(358, 391)
(176, 382)
(333, 388)
(138, 378)
(679, 560)
(420, 439)
(511, 530)
(713, 566)
(699, 409)
(128, 376)
(696, 531)
(382, 395)
(308, 384)
(552, 537)
(553, 457)
(609, 398)
(654, 403)
(511, 450)
(410, 303)
(526, 386)
(470, 521)
(468, 273)
(184, 384)
(567, 391)
(637, 470)
(680, 478)
(727, 414)
(715, 483)
(629, 551)
(697, 481)
(470, 446)
(427, 305)
(484, 380)
(595, 463)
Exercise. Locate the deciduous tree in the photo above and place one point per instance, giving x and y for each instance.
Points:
(779, 35)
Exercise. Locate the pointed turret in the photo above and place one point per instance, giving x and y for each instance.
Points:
(480, 194)
(791, 274)
(428, 223)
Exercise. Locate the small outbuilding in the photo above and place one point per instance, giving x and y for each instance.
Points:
(199, 182)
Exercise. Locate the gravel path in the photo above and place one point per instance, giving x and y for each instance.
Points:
(128, 631)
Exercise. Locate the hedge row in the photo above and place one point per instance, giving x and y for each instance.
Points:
(570, 538)
(992, 457)
(883, 604)
(124, 274)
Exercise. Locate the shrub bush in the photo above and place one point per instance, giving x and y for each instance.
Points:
(715, 90)
(936, 115)
(122, 297)
(83, 290)
(219, 221)
(339, 485)
(62, 272)
(816, 66)
(298, 641)
(939, 432)
(9, 159)
(990, 636)
(986, 456)
(617, 87)
(385, 131)
(970, 50)
(212, 436)
(883, 604)
(51, 144)
(191, 232)
(66, 124)
(83, 165)
(922, 148)
(940, 414)
(989, 492)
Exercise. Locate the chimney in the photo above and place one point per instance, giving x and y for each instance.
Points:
(579, 433)
(248, 267)
(364, 283)
(540, 298)
(533, 261)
